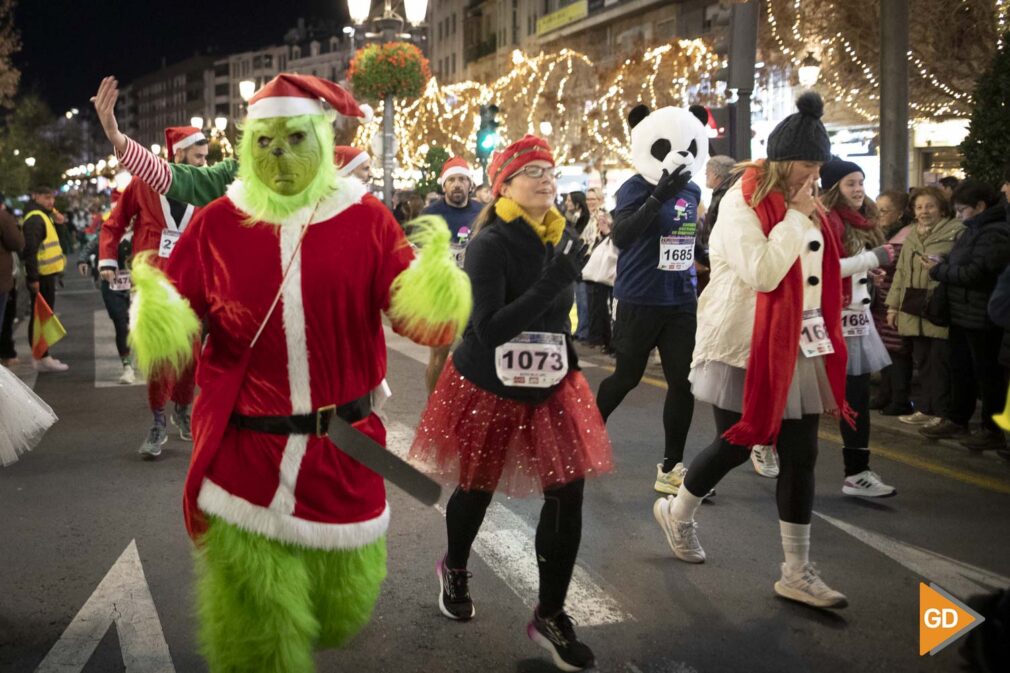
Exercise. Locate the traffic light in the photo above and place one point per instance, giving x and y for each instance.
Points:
(487, 135)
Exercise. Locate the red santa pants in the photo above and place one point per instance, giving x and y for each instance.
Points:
(167, 385)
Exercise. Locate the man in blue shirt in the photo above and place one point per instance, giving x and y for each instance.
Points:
(460, 212)
(456, 205)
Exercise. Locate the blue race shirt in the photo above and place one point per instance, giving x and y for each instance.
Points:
(457, 218)
(639, 278)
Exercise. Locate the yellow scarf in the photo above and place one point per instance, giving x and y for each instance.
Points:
(549, 230)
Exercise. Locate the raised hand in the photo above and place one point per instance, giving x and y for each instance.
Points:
(105, 107)
(671, 184)
(803, 199)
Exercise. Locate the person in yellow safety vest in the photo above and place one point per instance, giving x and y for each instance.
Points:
(44, 260)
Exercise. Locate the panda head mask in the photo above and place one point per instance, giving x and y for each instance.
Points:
(667, 138)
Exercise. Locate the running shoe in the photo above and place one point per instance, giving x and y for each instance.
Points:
(669, 482)
(156, 437)
(682, 536)
(805, 585)
(181, 420)
(867, 484)
(454, 592)
(919, 418)
(765, 461)
(557, 635)
(128, 377)
(50, 364)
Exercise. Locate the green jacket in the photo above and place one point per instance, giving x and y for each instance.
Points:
(911, 273)
(200, 186)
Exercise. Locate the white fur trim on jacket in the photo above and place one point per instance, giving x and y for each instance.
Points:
(744, 262)
(346, 193)
(284, 528)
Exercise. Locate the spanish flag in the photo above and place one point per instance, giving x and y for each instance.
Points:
(46, 328)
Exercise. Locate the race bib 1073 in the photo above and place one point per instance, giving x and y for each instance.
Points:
(532, 360)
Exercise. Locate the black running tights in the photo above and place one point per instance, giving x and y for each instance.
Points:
(797, 449)
(557, 540)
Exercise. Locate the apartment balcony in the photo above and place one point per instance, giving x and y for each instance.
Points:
(474, 52)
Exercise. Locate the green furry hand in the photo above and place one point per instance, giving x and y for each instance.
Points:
(431, 300)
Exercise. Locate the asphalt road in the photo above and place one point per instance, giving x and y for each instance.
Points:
(70, 510)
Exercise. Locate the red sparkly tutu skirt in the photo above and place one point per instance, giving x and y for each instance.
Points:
(494, 443)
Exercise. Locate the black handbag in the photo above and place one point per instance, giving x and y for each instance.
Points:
(914, 301)
(938, 306)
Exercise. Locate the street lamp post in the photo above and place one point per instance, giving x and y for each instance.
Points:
(388, 27)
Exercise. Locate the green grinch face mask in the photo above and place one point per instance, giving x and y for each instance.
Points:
(286, 153)
(285, 164)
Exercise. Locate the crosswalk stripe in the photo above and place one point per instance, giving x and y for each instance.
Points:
(506, 544)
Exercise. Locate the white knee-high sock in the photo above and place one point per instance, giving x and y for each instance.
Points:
(685, 505)
(795, 543)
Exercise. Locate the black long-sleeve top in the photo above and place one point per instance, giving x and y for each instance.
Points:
(516, 288)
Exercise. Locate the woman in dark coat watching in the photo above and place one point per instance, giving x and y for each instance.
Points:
(970, 273)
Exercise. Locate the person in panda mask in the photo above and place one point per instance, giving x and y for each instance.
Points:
(654, 229)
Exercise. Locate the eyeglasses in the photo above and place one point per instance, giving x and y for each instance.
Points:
(535, 172)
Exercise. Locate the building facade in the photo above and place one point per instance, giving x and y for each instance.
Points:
(167, 97)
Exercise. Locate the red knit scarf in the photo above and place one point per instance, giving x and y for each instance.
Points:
(775, 341)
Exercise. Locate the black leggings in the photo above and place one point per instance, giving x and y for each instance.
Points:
(117, 304)
(797, 448)
(639, 329)
(557, 541)
(856, 442)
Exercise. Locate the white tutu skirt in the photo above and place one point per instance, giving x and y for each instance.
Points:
(24, 417)
(867, 354)
(721, 385)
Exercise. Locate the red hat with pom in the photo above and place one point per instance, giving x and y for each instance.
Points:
(510, 160)
(347, 158)
(292, 95)
(454, 166)
(180, 137)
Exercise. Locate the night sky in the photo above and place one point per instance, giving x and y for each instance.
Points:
(69, 45)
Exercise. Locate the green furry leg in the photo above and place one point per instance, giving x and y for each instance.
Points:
(345, 586)
(264, 606)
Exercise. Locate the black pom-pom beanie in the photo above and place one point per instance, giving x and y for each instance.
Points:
(801, 136)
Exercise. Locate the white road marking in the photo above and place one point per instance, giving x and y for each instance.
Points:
(108, 366)
(122, 598)
(506, 544)
(957, 577)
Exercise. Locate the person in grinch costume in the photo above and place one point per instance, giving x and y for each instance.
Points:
(291, 271)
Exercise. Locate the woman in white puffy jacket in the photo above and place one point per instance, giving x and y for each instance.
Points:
(769, 355)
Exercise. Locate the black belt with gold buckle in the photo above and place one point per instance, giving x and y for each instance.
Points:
(317, 423)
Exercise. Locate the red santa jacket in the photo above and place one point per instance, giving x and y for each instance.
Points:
(323, 345)
(151, 215)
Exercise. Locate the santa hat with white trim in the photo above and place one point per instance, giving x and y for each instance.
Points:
(291, 95)
(180, 137)
(347, 158)
(454, 166)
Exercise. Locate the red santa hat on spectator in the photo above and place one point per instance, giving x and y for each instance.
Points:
(292, 95)
(180, 137)
(454, 166)
(347, 158)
